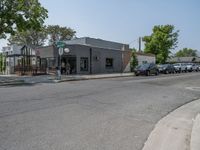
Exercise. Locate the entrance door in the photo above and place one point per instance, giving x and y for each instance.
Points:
(72, 62)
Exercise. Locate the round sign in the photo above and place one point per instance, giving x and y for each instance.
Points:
(66, 50)
(60, 51)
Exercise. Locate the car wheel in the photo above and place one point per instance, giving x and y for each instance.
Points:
(157, 73)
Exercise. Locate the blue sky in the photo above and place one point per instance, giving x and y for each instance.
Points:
(125, 20)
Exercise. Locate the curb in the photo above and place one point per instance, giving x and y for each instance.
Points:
(20, 82)
(195, 136)
(173, 132)
(91, 78)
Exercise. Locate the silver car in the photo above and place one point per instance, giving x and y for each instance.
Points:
(180, 67)
(190, 67)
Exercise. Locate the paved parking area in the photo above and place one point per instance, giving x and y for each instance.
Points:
(108, 114)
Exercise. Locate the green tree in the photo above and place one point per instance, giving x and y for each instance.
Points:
(161, 42)
(186, 52)
(30, 37)
(2, 63)
(35, 38)
(57, 33)
(20, 15)
(134, 61)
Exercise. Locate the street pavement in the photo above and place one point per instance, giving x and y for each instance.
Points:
(102, 114)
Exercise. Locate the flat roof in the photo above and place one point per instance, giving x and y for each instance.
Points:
(144, 54)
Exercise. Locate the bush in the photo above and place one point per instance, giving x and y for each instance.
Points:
(134, 61)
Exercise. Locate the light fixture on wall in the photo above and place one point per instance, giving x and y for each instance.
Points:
(97, 58)
(66, 50)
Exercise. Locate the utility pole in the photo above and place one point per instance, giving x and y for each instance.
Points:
(140, 41)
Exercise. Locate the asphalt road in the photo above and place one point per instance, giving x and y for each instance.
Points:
(105, 114)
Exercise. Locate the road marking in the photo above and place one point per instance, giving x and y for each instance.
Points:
(193, 88)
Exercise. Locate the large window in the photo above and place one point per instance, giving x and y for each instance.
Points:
(84, 64)
(52, 62)
(144, 62)
(109, 62)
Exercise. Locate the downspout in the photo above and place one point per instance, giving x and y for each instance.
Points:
(90, 60)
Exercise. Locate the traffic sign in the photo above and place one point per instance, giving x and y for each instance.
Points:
(60, 51)
(60, 44)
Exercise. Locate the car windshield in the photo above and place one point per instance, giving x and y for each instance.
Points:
(176, 64)
(144, 66)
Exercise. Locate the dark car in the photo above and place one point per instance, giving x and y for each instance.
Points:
(166, 68)
(146, 69)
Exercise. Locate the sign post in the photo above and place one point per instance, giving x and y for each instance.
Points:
(60, 65)
(61, 49)
(60, 45)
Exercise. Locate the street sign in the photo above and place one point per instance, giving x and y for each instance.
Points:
(60, 44)
(60, 50)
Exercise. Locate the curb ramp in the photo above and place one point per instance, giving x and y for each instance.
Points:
(174, 132)
(195, 136)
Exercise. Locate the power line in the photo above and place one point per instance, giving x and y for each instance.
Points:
(134, 41)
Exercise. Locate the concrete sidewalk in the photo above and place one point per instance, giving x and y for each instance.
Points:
(65, 78)
(178, 130)
(195, 136)
(6, 80)
(13, 79)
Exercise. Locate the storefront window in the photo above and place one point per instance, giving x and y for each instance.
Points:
(84, 64)
(43, 62)
(144, 62)
(52, 62)
(109, 62)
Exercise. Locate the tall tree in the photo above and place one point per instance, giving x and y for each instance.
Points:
(30, 37)
(57, 33)
(163, 39)
(186, 52)
(2, 63)
(20, 15)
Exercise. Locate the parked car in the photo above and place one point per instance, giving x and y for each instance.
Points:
(146, 69)
(177, 67)
(166, 68)
(190, 67)
(180, 67)
(184, 67)
(198, 66)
